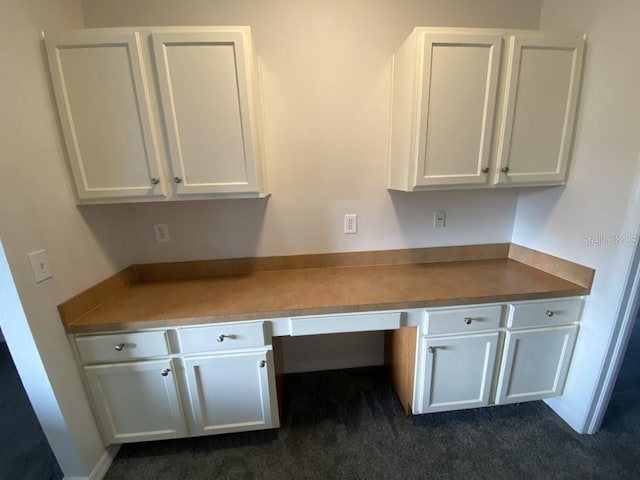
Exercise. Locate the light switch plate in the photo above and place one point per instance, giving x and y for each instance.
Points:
(40, 265)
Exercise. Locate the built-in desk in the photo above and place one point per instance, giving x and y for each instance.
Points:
(200, 338)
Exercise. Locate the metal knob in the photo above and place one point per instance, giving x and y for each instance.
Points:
(222, 337)
(485, 170)
(431, 350)
(504, 169)
(165, 372)
(177, 179)
(262, 363)
(155, 181)
(549, 313)
(468, 320)
(119, 347)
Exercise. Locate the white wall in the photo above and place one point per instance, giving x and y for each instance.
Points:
(326, 76)
(596, 198)
(37, 210)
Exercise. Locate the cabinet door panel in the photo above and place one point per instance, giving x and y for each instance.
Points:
(535, 364)
(203, 85)
(231, 393)
(458, 104)
(458, 372)
(103, 105)
(136, 402)
(542, 92)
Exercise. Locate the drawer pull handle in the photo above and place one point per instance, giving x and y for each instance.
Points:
(549, 313)
(468, 320)
(119, 347)
(222, 337)
(165, 372)
(262, 363)
(431, 350)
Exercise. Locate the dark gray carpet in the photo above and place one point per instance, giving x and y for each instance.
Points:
(348, 424)
(24, 450)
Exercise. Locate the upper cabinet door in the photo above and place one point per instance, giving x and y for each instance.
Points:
(205, 83)
(103, 102)
(458, 97)
(542, 87)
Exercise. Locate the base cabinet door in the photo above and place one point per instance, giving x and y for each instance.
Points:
(458, 372)
(137, 401)
(231, 392)
(535, 363)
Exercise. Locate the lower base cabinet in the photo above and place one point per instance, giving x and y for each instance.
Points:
(535, 363)
(231, 393)
(486, 355)
(202, 382)
(137, 401)
(458, 372)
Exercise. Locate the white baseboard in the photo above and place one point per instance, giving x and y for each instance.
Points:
(101, 468)
(333, 364)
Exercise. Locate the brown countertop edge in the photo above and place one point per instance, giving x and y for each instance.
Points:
(96, 309)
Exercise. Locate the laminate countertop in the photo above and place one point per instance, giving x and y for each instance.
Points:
(309, 291)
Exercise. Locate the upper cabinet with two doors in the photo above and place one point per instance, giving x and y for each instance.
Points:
(150, 114)
(481, 108)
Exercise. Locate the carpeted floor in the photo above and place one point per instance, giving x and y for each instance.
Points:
(25, 453)
(348, 424)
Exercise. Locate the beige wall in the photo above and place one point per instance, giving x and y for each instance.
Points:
(326, 77)
(602, 196)
(37, 210)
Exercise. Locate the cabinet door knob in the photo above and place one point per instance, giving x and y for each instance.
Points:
(485, 170)
(155, 181)
(165, 372)
(177, 179)
(504, 169)
(119, 347)
(549, 313)
(431, 350)
(262, 363)
(468, 320)
(222, 337)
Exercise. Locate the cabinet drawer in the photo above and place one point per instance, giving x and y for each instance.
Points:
(462, 320)
(223, 336)
(543, 313)
(122, 346)
(359, 322)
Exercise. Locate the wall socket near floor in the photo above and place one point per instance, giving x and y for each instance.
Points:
(162, 232)
(351, 223)
(40, 265)
(439, 218)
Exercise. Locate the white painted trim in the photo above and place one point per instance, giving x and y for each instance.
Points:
(101, 468)
(627, 308)
(627, 311)
(333, 364)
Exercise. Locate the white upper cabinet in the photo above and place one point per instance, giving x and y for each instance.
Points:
(103, 101)
(160, 113)
(444, 97)
(452, 86)
(543, 80)
(206, 88)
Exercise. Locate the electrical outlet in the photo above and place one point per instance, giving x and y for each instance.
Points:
(351, 223)
(40, 265)
(162, 232)
(439, 218)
